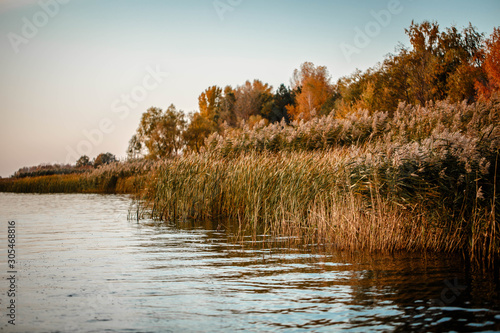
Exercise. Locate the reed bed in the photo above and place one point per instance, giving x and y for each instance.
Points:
(45, 184)
(409, 123)
(423, 179)
(317, 198)
(49, 170)
(118, 177)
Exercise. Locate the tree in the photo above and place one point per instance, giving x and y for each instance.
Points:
(197, 131)
(134, 147)
(161, 132)
(83, 161)
(104, 158)
(422, 62)
(251, 99)
(149, 123)
(490, 80)
(210, 102)
(438, 65)
(172, 127)
(227, 108)
(315, 90)
(395, 78)
(459, 66)
(442, 64)
(358, 91)
(282, 98)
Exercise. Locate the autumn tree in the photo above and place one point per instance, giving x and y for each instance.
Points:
(315, 89)
(381, 87)
(227, 113)
(438, 65)
(357, 91)
(218, 106)
(197, 131)
(395, 80)
(83, 161)
(421, 62)
(209, 103)
(134, 147)
(442, 64)
(252, 99)
(490, 81)
(458, 55)
(104, 158)
(160, 132)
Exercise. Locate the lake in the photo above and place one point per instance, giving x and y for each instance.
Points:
(82, 266)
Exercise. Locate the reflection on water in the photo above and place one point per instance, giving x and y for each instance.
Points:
(83, 267)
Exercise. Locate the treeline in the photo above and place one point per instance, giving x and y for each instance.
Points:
(112, 177)
(450, 64)
(403, 156)
(84, 164)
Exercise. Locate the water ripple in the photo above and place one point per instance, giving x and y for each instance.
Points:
(83, 267)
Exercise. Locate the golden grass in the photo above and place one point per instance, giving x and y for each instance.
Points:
(423, 180)
(73, 183)
(320, 198)
(45, 184)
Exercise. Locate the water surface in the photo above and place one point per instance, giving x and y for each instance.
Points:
(84, 267)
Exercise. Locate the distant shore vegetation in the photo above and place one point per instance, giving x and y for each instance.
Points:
(402, 156)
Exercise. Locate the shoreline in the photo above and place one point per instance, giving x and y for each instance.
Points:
(314, 197)
(425, 178)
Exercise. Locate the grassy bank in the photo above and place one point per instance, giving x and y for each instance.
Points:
(77, 183)
(119, 177)
(321, 198)
(424, 179)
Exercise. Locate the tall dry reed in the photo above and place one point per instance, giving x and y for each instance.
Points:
(424, 179)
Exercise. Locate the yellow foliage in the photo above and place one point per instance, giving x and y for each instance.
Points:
(315, 90)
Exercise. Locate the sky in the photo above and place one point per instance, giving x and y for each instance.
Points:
(76, 75)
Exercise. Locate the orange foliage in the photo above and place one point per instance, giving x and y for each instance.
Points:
(315, 90)
(209, 102)
(491, 65)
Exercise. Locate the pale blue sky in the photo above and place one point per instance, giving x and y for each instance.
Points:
(62, 93)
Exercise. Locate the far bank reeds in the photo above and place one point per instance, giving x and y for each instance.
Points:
(118, 177)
